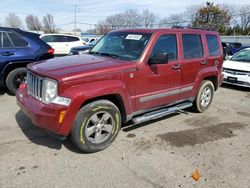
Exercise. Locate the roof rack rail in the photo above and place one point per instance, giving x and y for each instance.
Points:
(188, 27)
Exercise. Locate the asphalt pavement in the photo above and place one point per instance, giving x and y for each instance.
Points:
(162, 153)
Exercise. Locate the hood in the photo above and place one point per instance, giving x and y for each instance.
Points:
(70, 68)
(237, 65)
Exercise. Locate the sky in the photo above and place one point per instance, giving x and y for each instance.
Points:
(93, 11)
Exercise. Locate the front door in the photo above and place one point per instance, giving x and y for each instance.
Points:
(157, 84)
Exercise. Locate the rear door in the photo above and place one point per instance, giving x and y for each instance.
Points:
(7, 49)
(22, 48)
(193, 60)
(58, 42)
(73, 42)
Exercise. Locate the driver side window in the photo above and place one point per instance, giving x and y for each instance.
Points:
(166, 44)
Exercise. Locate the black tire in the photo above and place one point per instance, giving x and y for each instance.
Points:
(84, 120)
(15, 78)
(206, 85)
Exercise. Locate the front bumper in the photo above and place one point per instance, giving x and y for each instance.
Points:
(237, 80)
(42, 115)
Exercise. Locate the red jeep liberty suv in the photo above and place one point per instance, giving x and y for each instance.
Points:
(129, 75)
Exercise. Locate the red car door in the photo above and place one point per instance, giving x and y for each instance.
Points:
(193, 60)
(157, 84)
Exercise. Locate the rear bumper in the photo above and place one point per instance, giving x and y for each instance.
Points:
(43, 116)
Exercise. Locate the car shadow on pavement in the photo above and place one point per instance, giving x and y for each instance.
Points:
(239, 88)
(39, 136)
(5, 91)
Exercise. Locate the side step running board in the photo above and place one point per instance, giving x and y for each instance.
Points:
(160, 113)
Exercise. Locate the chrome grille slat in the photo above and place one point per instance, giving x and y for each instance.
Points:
(34, 85)
(236, 72)
(38, 89)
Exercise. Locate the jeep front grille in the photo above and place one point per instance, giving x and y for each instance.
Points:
(35, 86)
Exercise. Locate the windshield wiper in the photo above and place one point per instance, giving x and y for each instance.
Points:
(110, 55)
(105, 54)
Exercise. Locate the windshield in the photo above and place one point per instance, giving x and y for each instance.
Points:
(243, 55)
(123, 45)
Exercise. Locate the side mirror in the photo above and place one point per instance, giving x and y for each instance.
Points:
(159, 58)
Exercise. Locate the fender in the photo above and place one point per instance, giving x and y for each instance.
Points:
(15, 63)
(79, 94)
(204, 73)
(7, 68)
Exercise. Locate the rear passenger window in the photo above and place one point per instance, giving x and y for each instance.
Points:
(213, 45)
(59, 38)
(166, 44)
(72, 39)
(17, 40)
(6, 41)
(192, 46)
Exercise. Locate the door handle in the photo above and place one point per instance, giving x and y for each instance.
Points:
(176, 67)
(203, 62)
(7, 54)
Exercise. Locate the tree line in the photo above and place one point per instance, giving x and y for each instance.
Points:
(32, 22)
(227, 20)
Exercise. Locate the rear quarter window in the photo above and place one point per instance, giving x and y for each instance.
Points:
(213, 45)
(59, 38)
(192, 46)
(72, 39)
(18, 41)
(6, 43)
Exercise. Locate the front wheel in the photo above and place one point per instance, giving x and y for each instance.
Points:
(15, 78)
(204, 97)
(96, 126)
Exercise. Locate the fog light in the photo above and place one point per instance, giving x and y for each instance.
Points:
(62, 114)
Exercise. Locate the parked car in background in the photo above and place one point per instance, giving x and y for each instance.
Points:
(62, 43)
(133, 75)
(230, 48)
(89, 39)
(236, 70)
(82, 49)
(17, 49)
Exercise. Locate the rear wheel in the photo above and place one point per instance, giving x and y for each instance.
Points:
(96, 126)
(15, 78)
(204, 97)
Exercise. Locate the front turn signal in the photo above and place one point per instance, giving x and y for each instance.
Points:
(62, 114)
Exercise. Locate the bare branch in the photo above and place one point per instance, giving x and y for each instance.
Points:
(33, 23)
(14, 21)
(48, 24)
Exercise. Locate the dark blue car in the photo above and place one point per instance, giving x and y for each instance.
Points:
(17, 49)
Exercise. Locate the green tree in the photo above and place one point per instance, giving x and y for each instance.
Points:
(214, 17)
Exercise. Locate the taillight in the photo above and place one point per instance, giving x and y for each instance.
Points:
(51, 51)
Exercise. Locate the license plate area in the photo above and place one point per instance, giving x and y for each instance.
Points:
(232, 79)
